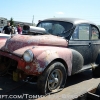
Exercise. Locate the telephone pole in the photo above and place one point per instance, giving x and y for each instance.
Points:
(33, 20)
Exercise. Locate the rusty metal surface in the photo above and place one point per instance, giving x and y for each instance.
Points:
(2, 42)
(20, 41)
(44, 52)
(43, 56)
(45, 49)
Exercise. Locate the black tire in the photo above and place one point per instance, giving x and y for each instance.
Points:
(55, 75)
(96, 71)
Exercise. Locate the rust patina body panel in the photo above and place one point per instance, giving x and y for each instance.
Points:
(44, 52)
(21, 41)
(2, 42)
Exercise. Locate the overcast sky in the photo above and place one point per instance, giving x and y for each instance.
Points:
(24, 10)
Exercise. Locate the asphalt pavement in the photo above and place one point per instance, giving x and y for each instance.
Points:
(76, 86)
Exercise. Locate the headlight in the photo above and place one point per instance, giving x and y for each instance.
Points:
(28, 56)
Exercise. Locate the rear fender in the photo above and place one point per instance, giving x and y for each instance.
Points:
(77, 61)
(98, 58)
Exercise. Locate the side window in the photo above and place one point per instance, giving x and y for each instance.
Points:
(94, 33)
(83, 32)
(75, 35)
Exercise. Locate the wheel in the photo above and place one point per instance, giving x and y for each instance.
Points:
(4, 66)
(96, 71)
(53, 79)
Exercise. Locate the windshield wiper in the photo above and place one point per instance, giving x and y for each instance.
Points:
(68, 32)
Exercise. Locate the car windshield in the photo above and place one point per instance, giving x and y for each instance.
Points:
(58, 28)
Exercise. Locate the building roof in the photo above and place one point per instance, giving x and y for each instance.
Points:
(3, 18)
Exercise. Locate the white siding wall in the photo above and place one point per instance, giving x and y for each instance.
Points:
(3, 22)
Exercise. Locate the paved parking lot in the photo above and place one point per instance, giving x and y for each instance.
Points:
(76, 85)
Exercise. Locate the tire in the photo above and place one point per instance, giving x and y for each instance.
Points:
(96, 71)
(53, 79)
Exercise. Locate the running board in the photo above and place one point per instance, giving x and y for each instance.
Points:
(89, 66)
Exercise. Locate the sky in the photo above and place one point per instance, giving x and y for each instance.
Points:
(28, 10)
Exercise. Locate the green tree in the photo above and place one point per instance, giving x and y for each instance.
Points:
(11, 21)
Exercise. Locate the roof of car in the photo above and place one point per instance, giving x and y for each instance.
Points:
(71, 20)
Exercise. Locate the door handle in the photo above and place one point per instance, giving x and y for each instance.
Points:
(89, 44)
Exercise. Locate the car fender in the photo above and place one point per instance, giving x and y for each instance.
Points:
(98, 58)
(45, 57)
(77, 61)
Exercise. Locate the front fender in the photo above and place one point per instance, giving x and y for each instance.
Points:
(46, 55)
(43, 56)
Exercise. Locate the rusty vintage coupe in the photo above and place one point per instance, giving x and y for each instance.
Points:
(55, 49)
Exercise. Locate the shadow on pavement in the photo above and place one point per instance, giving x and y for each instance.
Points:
(77, 78)
(9, 87)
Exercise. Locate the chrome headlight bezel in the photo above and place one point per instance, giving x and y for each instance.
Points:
(28, 56)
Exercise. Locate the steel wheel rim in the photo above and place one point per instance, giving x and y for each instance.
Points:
(55, 79)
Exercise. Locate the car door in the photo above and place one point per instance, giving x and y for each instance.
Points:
(80, 41)
(95, 43)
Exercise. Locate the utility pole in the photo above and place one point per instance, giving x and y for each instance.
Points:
(33, 20)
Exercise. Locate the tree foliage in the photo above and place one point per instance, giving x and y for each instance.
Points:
(11, 21)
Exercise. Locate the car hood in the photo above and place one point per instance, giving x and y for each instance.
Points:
(2, 42)
(18, 44)
(3, 38)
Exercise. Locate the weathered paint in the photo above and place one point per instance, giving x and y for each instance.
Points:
(2, 42)
(46, 48)
(21, 41)
(47, 54)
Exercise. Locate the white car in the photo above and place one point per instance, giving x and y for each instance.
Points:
(3, 35)
(1, 29)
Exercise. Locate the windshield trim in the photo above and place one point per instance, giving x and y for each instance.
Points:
(66, 25)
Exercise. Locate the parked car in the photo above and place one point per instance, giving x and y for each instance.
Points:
(1, 29)
(25, 29)
(59, 47)
(3, 35)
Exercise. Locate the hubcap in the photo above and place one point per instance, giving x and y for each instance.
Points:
(55, 79)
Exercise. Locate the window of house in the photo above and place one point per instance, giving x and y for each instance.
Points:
(1, 21)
